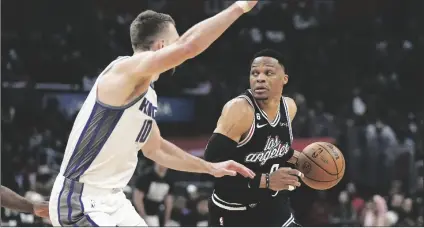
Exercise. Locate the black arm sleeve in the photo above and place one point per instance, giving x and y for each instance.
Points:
(221, 148)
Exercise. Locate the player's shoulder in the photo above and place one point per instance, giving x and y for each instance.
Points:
(238, 106)
(236, 118)
(289, 100)
(291, 106)
(126, 65)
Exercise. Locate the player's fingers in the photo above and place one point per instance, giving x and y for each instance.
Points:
(295, 172)
(290, 187)
(289, 177)
(243, 170)
(295, 183)
(227, 172)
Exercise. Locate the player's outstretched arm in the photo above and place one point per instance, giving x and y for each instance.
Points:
(171, 156)
(11, 200)
(190, 44)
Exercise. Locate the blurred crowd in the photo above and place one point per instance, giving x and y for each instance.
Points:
(355, 70)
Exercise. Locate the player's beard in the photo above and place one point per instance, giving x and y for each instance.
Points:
(261, 98)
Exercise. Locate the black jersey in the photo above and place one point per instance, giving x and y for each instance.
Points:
(264, 149)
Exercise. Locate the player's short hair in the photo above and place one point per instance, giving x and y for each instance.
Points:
(146, 27)
(269, 53)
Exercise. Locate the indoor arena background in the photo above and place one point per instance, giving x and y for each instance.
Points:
(356, 73)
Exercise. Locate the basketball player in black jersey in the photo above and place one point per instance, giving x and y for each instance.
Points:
(255, 130)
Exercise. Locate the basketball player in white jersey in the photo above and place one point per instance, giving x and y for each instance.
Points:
(117, 120)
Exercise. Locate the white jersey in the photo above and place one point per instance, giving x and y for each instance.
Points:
(103, 144)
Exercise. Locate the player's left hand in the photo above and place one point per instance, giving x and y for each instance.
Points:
(230, 168)
(41, 209)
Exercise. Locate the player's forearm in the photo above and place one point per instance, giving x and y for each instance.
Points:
(203, 34)
(11, 200)
(175, 158)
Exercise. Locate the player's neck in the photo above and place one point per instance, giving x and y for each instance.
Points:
(269, 106)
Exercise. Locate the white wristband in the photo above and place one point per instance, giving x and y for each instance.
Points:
(244, 6)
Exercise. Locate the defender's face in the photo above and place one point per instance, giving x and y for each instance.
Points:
(267, 78)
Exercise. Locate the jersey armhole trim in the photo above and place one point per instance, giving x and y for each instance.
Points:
(252, 127)
(288, 118)
(122, 107)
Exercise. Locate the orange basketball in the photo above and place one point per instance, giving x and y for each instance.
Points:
(322, 164)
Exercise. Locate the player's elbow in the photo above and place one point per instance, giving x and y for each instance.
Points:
(153, 143)
(151, 149)
(149, 153)
(189, 49)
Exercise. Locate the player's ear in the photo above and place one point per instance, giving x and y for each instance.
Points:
(285, 79)
(158, 45)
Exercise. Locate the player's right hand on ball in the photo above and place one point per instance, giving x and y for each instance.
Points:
(230, 168)
(284, 179)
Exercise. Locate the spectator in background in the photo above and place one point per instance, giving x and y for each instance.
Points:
(202, 213)
(406, 214)
(396, 202)
(380, 135)
(320, 211)
(375, 212)
(344, 214)
(357, 202)
(359, 107)
(153, 196)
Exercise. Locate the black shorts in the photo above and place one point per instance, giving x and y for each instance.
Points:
(269, 214)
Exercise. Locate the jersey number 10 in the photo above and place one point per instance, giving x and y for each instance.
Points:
(144, 131)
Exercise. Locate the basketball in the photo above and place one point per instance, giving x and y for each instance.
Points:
(322, 164)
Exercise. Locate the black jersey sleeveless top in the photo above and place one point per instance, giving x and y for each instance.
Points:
(264, 149)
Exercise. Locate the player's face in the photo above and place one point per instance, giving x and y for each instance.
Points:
(267, 78)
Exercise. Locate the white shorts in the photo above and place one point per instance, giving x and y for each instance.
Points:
(76, 204)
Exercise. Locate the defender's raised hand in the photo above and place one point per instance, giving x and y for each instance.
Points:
(246, 5)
